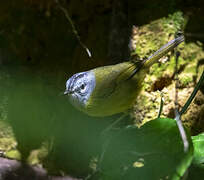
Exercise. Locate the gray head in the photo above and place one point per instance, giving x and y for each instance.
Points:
(79, 88)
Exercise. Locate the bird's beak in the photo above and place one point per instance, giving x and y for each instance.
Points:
(66, 92)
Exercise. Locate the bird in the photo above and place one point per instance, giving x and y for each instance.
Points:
(112, 89)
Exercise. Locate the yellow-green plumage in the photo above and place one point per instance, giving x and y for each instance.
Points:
(117, 86)
(117, 93)
(112, 89)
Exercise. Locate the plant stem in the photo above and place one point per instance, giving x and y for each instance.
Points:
(161, 106)
(197, 87)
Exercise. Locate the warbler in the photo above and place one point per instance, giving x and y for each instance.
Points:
(109, 90)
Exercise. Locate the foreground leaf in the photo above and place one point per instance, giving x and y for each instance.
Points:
(196, 171)
(198, 142)
(155, 151)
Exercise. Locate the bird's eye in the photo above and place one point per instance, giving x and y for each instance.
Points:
(82, 86)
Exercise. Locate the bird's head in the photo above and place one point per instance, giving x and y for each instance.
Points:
(79, 87)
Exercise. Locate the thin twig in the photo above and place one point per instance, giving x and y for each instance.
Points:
(183, 110)
(105, 145)
(177, 114)
(113, 124)
(161, 105)
(182, 131)
(65, 11)
(197, 87)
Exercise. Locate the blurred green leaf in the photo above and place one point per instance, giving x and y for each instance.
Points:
(198, 142)
(196, 172)
(154, 151)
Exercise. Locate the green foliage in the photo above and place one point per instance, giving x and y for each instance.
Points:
(37, 113)
(155, 151)
(13, 154)
(174, 22)
(148, 41)
(198, 142)
(196, 171)
(185, 80)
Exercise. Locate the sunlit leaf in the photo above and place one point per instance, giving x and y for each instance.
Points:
(196, 171)
(198, 142)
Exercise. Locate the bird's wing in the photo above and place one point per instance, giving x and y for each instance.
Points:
(130, 71)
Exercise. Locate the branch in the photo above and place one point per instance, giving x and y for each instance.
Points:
(65, 11)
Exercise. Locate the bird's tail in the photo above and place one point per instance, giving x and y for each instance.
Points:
(162, 51)
(145, 64)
